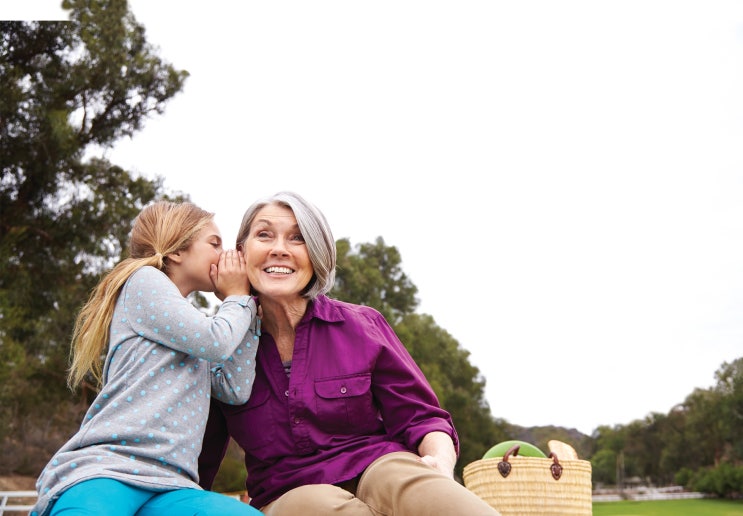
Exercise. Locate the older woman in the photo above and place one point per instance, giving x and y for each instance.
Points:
(341, 420)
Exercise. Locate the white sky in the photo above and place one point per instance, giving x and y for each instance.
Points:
(563, 179)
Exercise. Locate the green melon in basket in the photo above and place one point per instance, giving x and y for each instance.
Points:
(525, 450)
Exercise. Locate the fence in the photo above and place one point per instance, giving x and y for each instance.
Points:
(16, 501)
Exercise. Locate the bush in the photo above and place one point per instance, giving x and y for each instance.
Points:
(684, 477)
(231, 475)
(725, 480)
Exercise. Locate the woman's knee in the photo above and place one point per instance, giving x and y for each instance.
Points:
(395, 467)
(317, 500)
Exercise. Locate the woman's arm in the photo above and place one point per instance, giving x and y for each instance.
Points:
(216, 439)
(437, 450)
(409, 407)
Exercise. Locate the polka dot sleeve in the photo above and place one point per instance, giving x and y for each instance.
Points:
(155, 310)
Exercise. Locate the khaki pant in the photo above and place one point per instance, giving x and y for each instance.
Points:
(394, 484)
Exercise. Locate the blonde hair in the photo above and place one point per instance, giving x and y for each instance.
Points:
(160, 229)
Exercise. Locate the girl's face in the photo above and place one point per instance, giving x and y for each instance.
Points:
(278, 261)
(196, 261)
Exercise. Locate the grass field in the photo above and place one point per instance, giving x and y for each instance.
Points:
(696, 507)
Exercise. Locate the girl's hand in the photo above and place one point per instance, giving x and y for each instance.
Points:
(230, 277)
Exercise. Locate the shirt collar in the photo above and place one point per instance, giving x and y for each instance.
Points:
(325, 309)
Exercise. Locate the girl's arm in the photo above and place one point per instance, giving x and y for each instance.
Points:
(232, 379)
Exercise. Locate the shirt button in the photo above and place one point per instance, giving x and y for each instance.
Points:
(296, 420)
(343, 390)
(286, 393)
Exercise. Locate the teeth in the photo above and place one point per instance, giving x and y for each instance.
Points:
(281, 270)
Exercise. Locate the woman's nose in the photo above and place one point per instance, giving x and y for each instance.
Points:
(279, 247)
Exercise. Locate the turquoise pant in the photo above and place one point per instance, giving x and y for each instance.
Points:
(114, 498)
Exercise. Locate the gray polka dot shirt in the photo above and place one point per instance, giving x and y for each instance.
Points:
(165, 359)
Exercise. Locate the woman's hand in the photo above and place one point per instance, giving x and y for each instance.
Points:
(230, 277)
(437, 451)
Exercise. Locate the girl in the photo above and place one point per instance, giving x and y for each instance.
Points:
(137, 448)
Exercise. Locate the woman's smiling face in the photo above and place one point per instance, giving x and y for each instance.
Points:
(278, 261)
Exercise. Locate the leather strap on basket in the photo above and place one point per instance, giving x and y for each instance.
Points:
(504, 467)
(555, 467)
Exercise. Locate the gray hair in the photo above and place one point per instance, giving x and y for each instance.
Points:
(316, 233)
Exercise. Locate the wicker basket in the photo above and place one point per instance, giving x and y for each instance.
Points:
(517, 485)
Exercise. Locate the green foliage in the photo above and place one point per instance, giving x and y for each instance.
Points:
(611, 438)
(724, 480)
(683, 477)
(674, 451)
(231, 475)
(69, 89)
(371, 275)
(698, 444)
(604, 467)
(730, 389)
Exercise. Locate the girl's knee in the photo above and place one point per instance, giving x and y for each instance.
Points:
(197, 503)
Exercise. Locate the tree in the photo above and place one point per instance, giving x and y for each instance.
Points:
(604, 467)
(372, 275)
(703, 429)
(69, 90)
(730, 388)
(673, 457)
(698, 443)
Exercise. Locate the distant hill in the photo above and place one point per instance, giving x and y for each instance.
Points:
(539, 435)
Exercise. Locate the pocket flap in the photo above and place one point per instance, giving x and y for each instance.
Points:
(344, 386)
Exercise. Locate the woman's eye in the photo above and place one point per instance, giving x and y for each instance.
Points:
(297, 238)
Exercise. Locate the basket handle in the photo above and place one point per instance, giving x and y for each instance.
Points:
(555, 467)
(504, 467)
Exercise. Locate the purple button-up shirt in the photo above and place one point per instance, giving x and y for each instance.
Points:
(354, 394)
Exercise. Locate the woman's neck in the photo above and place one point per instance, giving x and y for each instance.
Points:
(280, 319)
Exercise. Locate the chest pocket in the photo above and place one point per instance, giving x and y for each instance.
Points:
(345, 404)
